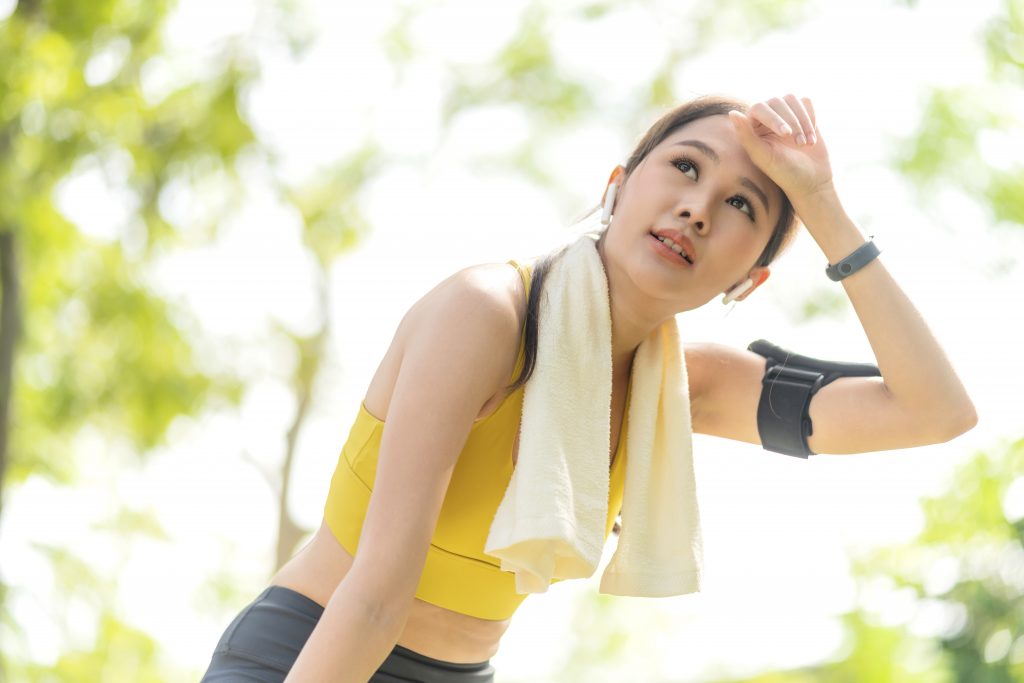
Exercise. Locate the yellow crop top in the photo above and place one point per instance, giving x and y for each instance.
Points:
(457, 575)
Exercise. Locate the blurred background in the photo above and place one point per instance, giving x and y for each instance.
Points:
(214, 214)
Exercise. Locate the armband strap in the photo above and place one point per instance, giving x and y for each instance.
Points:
(789, 382)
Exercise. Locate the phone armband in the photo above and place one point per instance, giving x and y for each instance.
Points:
(789, 382)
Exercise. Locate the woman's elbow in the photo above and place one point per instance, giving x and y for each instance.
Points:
(384, 604)
(960, 422)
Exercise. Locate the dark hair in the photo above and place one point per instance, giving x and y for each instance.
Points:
(701, 107)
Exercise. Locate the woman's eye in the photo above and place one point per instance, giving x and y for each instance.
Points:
(750, 209)
(685, 162)
(686, 165)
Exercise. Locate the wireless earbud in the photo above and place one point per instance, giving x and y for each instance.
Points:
(609, 202)
(738, 290)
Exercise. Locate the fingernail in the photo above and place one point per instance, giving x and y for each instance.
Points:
(786, 130)
(814, 138)
(800, 139)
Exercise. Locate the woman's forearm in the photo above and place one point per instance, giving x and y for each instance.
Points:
(914, 368)
(350, 642)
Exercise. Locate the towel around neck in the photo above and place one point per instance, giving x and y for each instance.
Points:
(551, 522)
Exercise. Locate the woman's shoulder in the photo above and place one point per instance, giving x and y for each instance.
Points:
(497, 283)
(486, 301)
(494, 291)
(478, 308)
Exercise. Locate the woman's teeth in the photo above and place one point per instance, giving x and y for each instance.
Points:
(674, 247)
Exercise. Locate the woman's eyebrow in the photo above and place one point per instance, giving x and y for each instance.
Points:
(713, 155)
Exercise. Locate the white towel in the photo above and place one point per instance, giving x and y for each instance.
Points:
(551, 522)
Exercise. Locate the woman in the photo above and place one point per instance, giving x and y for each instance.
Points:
(726, 184)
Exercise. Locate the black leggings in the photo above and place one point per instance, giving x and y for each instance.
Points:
(262, 643)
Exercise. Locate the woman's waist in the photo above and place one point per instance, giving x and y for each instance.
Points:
(451, 636)
(431, 629)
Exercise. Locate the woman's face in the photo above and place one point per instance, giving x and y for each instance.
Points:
(726, 207)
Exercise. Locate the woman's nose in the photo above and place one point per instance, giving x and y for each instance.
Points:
(695, 207)
(696, 219)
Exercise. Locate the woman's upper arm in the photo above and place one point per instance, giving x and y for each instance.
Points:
(849, 415)
(457, 340)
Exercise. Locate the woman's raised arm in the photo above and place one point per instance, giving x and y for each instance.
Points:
(457, 341)
(919, 399)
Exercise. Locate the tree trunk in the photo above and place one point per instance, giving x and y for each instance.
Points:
(311, 352)
(10, 332)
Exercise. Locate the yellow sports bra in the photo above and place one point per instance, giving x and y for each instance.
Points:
(457, 575)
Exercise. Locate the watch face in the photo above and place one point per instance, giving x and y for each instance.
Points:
(860, 257)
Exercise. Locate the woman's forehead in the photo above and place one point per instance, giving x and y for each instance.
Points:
(714, 140)
(716, 134)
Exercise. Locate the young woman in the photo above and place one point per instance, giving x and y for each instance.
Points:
(436, 438)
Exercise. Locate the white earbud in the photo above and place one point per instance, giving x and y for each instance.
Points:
(609, 202)
(736, 291)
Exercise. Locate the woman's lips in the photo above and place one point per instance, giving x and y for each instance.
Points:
(678, 238)
(668, 254)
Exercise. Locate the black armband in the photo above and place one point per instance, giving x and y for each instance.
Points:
(789, 382)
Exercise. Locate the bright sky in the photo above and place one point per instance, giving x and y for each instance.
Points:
(778, 531)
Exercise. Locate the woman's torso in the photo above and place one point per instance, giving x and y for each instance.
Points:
(317, 569)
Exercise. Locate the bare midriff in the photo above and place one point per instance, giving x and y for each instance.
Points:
(430, 630)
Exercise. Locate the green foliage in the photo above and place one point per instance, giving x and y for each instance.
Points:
(823, 302)
(124, 653)
(968, 526)
(747, 20)
(1004, 41)
(1004, 195)
(874, 653)
(329, 205)
(99, 347)
(525, 72)
(118, 651)
(948, 135)
(661, 94)
(101, 352)
(607, 635)
(965, 525)
(595, 10)
(111, 357)
(945, 149)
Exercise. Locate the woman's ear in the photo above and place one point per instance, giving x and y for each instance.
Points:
(617, 175)
(758, 274)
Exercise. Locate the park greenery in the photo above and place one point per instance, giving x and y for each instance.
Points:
(87, 346)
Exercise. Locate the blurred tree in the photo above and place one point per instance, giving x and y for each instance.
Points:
(94, 345)
(964, 129)
(84, 343)
(964, 574)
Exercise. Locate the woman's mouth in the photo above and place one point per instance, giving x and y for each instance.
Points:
(668, 248)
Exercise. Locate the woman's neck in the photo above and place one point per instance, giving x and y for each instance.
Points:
(632, 319)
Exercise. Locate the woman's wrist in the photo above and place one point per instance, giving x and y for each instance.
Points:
(830, 226)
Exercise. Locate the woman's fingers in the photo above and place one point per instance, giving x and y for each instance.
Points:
(810, 112)
(805, 127)
(787, 117)
(770, 117)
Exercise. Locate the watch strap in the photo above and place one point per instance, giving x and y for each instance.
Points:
(861, 256)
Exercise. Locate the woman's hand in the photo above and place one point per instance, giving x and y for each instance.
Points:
(801, 170)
